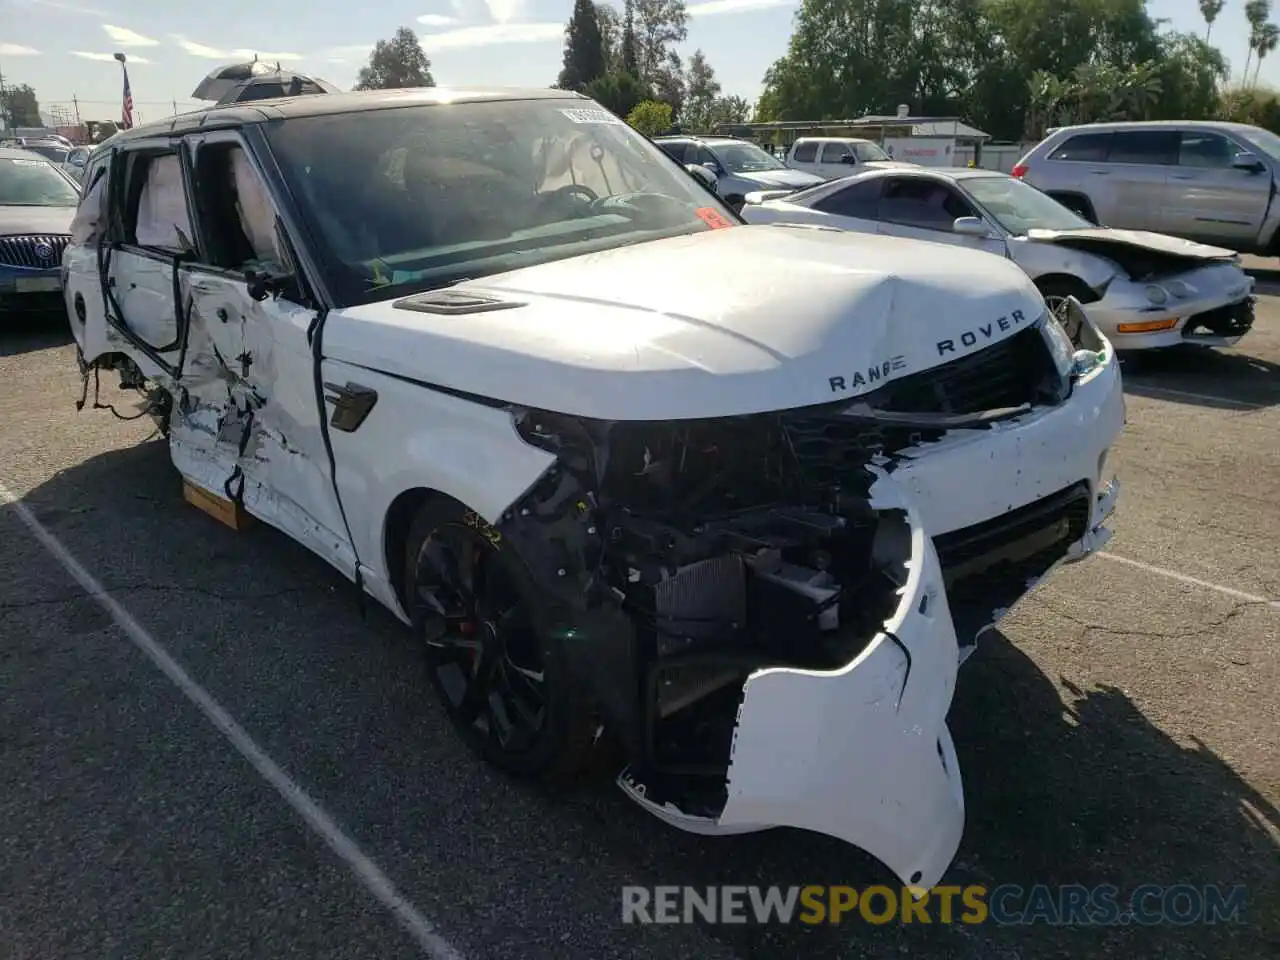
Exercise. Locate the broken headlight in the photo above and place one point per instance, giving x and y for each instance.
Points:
(1060, 346)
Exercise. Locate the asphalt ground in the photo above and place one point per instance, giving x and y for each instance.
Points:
(1123, 728)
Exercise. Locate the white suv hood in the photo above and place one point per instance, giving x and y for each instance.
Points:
(734, 321)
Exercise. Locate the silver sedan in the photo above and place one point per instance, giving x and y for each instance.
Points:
(1143, 290)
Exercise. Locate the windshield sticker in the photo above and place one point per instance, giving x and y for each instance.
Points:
(712, 218)
(593, 116)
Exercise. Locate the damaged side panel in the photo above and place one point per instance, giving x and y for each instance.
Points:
(245, 422)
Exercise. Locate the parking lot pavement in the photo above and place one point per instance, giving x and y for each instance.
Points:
(1121, 729)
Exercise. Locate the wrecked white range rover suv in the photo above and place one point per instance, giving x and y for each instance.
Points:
(739, 497)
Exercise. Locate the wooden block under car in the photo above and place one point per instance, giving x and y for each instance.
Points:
(220, 508)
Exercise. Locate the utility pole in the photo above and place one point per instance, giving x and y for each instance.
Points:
(175, 107)
(76, 104)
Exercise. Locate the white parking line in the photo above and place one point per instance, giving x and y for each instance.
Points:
(1192, 581)
(1141, 388)
(366, 871)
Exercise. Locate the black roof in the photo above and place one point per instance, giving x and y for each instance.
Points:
(316, 105)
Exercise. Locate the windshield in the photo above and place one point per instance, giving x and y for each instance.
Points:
(50, 151)
(407, 199)
(744, 157)
(1019, 207)
(1264, 140)
(869, 153)
(33, 182)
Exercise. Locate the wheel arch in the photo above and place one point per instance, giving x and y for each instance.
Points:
(1060, 280)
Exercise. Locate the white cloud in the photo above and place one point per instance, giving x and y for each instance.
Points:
(200, 50)
(714, 8)
(128, 38)
(105, 57)
(206, 52)
(504, 11)
(17, 50)
(491, 35)
(436, 20)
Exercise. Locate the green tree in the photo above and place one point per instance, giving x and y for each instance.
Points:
(584, 55)
(610, 23)
(1263, 44)
(1209, 9)
(1256, 13)
(651, 117)
(700, 92)
(659, 25)
(617, 92)
(628, 53)
(730, 110)
(20, 106)
(398, 62)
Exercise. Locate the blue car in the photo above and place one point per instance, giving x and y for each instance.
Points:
(37, 204)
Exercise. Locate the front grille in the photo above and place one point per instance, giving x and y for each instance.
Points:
(39, 251)
(830, 448)
(988, 564)
(1006, 374)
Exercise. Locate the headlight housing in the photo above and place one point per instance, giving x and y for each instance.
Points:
(1060, 346)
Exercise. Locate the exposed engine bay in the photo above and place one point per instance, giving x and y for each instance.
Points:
(694, 554)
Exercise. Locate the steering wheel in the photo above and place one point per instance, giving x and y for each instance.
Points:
(569, 190)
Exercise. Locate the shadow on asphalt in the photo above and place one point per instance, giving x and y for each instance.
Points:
(1063, 786)
(1225, 379)
(27, 332)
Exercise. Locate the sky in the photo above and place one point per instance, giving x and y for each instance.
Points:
(63, 48)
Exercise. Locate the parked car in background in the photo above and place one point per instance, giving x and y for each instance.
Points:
(739, 166)
(37, 204)
(1207, 181)
(627, 467)
(834, 157)
(1144, 290)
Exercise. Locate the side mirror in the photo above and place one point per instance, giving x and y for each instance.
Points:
(849, 158)
(970, 227)
(1246, 161)
(701, 173)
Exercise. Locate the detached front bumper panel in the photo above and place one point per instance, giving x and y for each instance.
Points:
(861, 753)
(1211, 306)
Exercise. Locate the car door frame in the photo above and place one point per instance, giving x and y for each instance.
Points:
(325, 532)
(994, 243)
(1208, 229)
(832, 197)
(168, 358)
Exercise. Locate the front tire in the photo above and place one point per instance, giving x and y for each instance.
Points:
(1055, 291)
(498, 672)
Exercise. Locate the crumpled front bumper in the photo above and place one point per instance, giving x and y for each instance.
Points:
(861, 753)
(1129, 318)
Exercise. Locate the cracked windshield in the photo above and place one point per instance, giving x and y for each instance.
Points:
(646, 479)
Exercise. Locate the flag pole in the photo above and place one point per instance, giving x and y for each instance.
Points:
(126, 100)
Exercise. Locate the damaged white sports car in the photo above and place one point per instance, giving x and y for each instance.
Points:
(1143, 290)
(737, 498)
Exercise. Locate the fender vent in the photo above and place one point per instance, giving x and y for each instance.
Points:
(453, 303)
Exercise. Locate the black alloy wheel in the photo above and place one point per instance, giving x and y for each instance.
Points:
(501, 681)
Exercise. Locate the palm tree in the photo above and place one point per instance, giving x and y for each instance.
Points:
(1257, 12)
(1209, 9)
(1267, 40)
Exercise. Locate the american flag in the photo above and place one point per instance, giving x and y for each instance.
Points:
(126, 111)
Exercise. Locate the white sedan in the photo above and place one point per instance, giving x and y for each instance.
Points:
(1143, 290)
